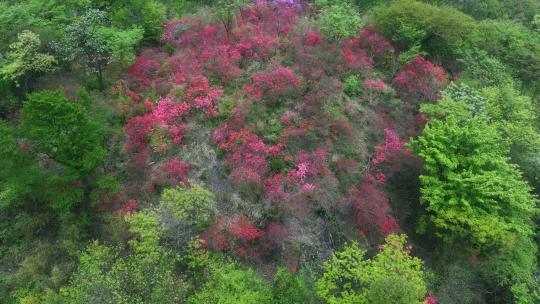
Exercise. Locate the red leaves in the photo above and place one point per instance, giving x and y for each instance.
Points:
(243, 229)
(391, 147)
(273, 187)
(421, 78)
(130, 207)
(371, 209)
(371, 206)
(357, 60)
(312, 39)
(358, 53)
(430, 299)
(235, 233)
(273, 83)
(175, 171)
(376, 85)
(137, 129)
(143, 69)
(167, 111)
(373, 43)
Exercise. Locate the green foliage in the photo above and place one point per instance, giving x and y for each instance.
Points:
(226, 12)
(510, 113)
(147, 226)
(91, 40)
(483, 70)
(229, 284)
(188, 204)
(340, 21)
(145, 276)
(18, 169)
(442, 32)
(292, 288)
(62, 130)
(460, 101)
(24, 59)
(512, 267)
(519, 10)
(352, 85)
(392, 276)
(471, 192)
(121, 44)
(536, 22)
(515, 45)
(148, 15)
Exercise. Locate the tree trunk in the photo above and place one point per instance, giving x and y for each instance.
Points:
(100, 78)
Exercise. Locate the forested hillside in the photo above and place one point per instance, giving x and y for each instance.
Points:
(285, 151)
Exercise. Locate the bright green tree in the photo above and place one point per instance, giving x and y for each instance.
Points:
(340, 20)
(471, 192)
(146, 14)
(62, 130)
(91, 40)
(228, 284)
(391, 276)
(24, 59)
(188, 204)
(147, 275)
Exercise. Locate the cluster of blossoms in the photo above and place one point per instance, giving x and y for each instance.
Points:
(189, 73)
(422, 79)
(273, 83)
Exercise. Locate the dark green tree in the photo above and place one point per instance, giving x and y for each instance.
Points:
(63, 130)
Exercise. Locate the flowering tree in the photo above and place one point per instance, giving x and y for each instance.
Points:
(421, 79)
(273, 83)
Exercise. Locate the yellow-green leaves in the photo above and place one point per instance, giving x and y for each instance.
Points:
(391, 276)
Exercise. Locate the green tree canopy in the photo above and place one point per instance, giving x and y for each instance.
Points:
(25, 60)
(145, 276)
(340, 20)
(62, 130)
(391, 276)
(470, 190)
(188, 204)
(90, 38)
(228, 284)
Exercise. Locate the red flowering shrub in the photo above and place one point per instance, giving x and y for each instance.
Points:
(214, 238)
(373, 43)
(275, 232)
(371, 209)
(247, 154)
(430, 299)
(130, 207)
(274, 188)
(357, 60)
(309, 169)
(388, 156)
(234, 234)
(312, 39)
(137, 130)
(390, 149)
(245, 230)
(273, 83)
(376, 85)
(421, 79)
(144, 70)
(295, 155)
(175, 171)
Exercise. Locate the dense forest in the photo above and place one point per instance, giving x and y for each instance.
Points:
(254, 152)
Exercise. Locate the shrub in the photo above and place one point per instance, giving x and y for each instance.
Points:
(340, 21)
